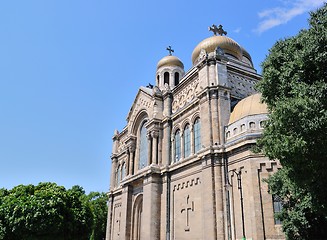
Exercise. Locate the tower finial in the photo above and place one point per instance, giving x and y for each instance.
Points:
(217, 30)
(170, 50)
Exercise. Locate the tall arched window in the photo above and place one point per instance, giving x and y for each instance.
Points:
(176, 78)
(177, 146)
(143, 147)
(118, 175)
(166, 78)
(187, 141)
(197, 135)
(123, 171)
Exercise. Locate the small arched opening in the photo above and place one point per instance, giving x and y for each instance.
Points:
(166, 78)
(176, 80)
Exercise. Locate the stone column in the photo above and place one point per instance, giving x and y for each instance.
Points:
(215, 117)
(109, 217)
(182, 145)
(192, 139)
(131, 159)
(154, 135)
(151, 211)
(160, 148)
(126, 212)
(113, 172)
(128, 161)
(208, 223)
(149, 149)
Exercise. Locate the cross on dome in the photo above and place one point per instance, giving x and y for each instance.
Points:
(218, 30)
(170, 50)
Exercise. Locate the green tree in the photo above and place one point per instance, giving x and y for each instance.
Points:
(294, 86)
(99, 206)
(44, 212)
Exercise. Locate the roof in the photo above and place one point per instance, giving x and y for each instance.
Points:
(248, 106)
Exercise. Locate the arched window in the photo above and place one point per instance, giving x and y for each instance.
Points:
(277, 206)
(176, 78)
(118, 175)
(143, 147)
(187, 141)
(158, 80)
(177, 146)
(123, 171)
(166, 78)
(197, 135)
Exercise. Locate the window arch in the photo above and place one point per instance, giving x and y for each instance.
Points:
(143, 147)
(187, 141)
(123, 171)
(158, 80)
(118, 175)
(177, 146)
(166, 78)
(197, 135)
(176, 80)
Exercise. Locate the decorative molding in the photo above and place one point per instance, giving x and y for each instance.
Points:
(185, 96)
(186, 184)
(240, 85)
(117, 205)
(270, 165)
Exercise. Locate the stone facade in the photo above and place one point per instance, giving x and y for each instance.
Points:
(175, 166)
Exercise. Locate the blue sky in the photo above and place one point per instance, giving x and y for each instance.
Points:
(69, 72)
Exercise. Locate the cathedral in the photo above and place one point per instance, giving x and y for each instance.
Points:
(183, 167)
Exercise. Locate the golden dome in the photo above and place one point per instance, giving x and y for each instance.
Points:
(248, 106)
(170, 61)
(210, 44)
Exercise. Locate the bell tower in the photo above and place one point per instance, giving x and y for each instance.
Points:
(170, 70)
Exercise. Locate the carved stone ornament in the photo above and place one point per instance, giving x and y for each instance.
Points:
(241, 86)
(185, 96)
(202, 55)
(156, 91)
(167, 87)
(186, 209)
(219, 51)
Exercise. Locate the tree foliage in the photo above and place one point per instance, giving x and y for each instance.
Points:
(294, 86)
(48, 212)
(98, 203)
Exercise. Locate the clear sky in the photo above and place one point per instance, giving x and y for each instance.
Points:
(70, 69)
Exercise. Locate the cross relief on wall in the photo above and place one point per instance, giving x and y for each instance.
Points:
(185, 210)
(118, 223)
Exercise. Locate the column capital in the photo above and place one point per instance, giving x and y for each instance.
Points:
(114, 158)
(154, 133)
(132, 147)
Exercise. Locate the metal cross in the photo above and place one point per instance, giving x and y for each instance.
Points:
(217, 30)
(170, 50)
(187, 208)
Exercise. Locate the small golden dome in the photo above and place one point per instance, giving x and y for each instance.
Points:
(170, 61)
(210, 44)
(248, 106)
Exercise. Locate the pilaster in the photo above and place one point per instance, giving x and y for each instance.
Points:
(151, 211)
